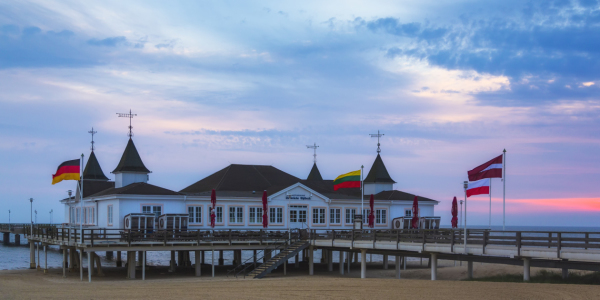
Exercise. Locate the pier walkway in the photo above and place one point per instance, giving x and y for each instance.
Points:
(564, 250)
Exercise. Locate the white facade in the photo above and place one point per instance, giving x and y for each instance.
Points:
(297, 206)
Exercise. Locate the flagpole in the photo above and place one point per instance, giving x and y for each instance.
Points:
(362, 193)
(490, 203)
(503, 189)
(81, 198)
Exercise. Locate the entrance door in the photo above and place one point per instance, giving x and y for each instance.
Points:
(298, 215)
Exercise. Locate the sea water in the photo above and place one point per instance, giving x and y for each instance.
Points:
(17, 257)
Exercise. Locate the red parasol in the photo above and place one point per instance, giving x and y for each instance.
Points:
(265, 217)
(415, 211)
(454, 213)
(371, 215)
(213, 202)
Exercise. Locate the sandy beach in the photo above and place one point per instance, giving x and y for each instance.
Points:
(381, 284)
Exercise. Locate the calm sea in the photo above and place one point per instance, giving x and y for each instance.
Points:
(17, 257)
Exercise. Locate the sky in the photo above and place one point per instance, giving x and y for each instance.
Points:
(450, 84)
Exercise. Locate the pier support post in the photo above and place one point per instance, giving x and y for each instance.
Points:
(565, 271)
(349, 260)
(45, 259)
(6, 238)
(90, 257)
(119, 262)
(202, 255)
(526, 269)
(17, 239)
(329, 260)
(140, 259)
(355, 257)
(254, 257)
(172, 268)
(131, 264)
(109, 255)
(404, 262)
(80, 263)
(342, 262)
(64, 264)
(31, 255)
(221, 261)
(363, 263)
(143, 265)
(433, 261)
(38, 255)
(470, 269)
(267, 256)
(311, 267)
(398, 266)
(297, 261)
(198, 263)
(213, 263)
(98, 265)
(385, 261)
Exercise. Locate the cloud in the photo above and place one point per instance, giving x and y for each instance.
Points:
(108, 42)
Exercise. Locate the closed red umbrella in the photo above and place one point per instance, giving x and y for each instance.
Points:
(213, 202)
(454, 213)
(265, 218)
(371, 215)
(415, 211)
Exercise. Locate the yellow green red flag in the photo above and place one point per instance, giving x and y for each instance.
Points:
(348, 180)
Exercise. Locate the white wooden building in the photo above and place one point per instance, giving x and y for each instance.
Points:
(292, 202)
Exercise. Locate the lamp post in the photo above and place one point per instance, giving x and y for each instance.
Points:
(31, 213)
(466, 185)
(460, 222)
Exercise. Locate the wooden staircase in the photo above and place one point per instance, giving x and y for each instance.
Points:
(275, 261)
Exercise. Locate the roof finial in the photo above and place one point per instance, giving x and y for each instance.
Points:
(313, 147)
(377, 135)
(92, 132)
(130, 116)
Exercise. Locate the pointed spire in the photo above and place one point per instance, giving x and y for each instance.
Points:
(92, 170)
(378, 172)
(314, 173)
(131, 160)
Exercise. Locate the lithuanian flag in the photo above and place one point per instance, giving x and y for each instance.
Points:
(69, 170)
(348, 180)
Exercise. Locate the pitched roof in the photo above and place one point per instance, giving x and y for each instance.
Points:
(378, 172)
(91, 187)
(138, 188)
(314, 173)
(242, 180)
(131, 160)
(399, 195)
(92, 170)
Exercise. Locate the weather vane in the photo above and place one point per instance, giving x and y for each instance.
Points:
(92, 132)
(313, 147)
(377, 135)
(130, 116)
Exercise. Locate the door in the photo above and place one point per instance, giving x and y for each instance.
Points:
(298, 215)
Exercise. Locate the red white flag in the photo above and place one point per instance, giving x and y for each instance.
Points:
(491, 169)
(479, 187)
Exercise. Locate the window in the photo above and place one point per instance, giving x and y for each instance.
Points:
(302, 216)
(84, 216)
(366, 213)
(293, 216)
(110, 215)
(194, 214)
(380, 216)
(318, 216)
(335, 216)
(236, 214)
(256, 215)
(218, 214)
(408, 213)
(155, 209)
(72, 214)
(350, 215)
(91, 215)
(275, 215)
(78, 215)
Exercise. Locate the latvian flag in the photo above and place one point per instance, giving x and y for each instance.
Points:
(69, 170)
(479, 187)
(491, 169)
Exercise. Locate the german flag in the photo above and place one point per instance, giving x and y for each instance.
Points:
(69, 170)
(348, 180)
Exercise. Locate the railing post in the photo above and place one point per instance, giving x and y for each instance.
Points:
(518, 243)
(92, 237)
(352, 233)
(82, 236)
(129, 238)
(452, 242)
(230, 237)
(587, 240)
(198, 237)
(397, 240)
(558, 235)
(332, 235)
(374, 237)
(485, 239)
(549, 239)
